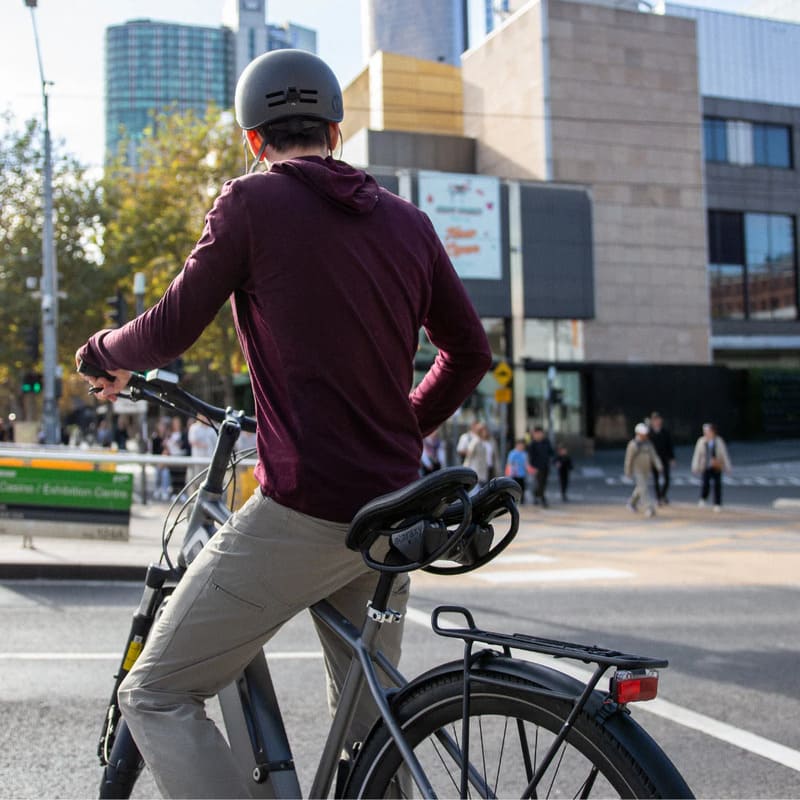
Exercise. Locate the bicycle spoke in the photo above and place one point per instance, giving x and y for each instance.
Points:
(557, 768)
(500, 759)
(587, 784)
(483, 748)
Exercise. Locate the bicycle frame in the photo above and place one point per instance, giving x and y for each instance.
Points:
(250, 708)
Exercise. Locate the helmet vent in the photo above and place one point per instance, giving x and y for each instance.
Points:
(291, 97)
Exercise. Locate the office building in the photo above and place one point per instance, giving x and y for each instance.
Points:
(682, 127)
(155, 66)
(432, 30)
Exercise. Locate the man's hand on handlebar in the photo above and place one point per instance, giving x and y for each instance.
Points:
(103, 388)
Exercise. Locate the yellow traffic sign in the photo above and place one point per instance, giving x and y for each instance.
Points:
(502, 395)
(503, 373)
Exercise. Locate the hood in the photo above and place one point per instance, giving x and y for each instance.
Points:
(347, 188)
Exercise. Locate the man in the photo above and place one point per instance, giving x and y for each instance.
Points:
(662, 441)
(202, 440)
(709, 460)
(331, 278)
(540, 454)
(640, 459)
(467, 438)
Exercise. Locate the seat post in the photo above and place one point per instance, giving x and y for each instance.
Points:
(383, 590)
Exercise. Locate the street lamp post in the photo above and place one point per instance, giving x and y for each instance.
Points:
(49, 287)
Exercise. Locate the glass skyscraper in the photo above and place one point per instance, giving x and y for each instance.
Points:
(156, 66)
(153, 66)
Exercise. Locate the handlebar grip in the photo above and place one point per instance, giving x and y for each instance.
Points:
(85, 368)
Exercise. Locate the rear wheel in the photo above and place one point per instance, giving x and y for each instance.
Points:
(511, 728)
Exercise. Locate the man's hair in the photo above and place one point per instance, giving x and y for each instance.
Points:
(296, 132)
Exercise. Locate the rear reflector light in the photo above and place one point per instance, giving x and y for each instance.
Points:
(634, 686)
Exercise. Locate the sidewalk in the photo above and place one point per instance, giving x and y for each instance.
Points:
(54, 558)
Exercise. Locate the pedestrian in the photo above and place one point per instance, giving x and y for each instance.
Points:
(662, 441)
(710, 460)
(540, 456)
(177, 444)
(518, 467)
(432, 453)
(492, 452)
(640, 459)
(466, 438)
(202, 440)
(563, 464)
(340, 420)
(478, 454)
(158, 441)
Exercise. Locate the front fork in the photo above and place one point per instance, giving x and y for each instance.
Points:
(116, 749)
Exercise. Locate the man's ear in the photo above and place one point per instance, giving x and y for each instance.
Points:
(255, 141)
(334, 133)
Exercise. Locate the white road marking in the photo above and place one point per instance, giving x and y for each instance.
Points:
(23, 656)
(553, 575)
(745, 740)
(524, 558)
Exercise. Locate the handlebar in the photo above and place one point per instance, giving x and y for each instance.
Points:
(161, 386)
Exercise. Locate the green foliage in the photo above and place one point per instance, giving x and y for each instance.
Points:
(154, 212)
(76, 203)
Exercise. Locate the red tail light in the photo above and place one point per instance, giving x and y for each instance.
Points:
(633, 686)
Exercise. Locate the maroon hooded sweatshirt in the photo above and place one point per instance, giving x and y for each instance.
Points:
(331, 278)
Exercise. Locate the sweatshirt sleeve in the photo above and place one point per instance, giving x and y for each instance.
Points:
(464, 356)
(214, 269)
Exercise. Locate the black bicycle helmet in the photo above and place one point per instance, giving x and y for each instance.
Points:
(285, 84)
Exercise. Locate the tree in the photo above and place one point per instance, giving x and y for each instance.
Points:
(77, 226)
(154, 211)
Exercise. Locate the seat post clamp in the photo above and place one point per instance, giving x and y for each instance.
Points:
(383, 616)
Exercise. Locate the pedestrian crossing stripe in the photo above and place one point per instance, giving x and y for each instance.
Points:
(755, 480)
(553, 575)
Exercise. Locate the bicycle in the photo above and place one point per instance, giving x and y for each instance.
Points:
(444, 727)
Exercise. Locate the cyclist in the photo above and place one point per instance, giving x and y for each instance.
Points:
(331, 278)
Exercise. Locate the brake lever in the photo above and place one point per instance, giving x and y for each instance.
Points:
(98, 389)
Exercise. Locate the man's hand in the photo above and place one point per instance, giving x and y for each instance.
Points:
(103, 388)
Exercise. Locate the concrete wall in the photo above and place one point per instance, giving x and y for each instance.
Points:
(625, 119)
(403, 149)
(504, 98)
(401, 93)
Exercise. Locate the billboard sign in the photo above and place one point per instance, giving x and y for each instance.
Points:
(465, 212)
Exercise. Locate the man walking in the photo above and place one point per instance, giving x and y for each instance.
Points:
(640, 459)
(540, 455)
(662, 441)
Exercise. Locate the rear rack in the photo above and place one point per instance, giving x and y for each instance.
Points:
(634, 668)
(589, 654)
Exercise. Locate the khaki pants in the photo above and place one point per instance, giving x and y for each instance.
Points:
(641, 491)
(259, 570)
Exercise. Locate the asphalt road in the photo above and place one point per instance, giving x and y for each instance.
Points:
(717, 595)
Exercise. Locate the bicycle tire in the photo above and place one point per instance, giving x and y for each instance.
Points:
(630, 763)
(123, 768)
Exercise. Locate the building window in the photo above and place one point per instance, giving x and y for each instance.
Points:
(771, 146)
(771, 285)
(752, 266)
(734, 141)
(716, 139)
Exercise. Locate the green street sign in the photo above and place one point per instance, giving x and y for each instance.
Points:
(33, 487)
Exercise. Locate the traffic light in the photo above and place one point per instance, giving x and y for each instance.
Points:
(556, 395)
(32, 383)
(30, 336)
(117, 313)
